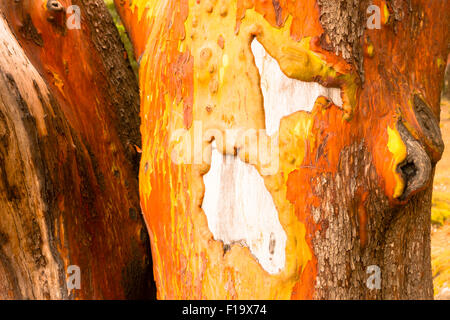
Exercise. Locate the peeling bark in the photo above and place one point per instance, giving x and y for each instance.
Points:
(353, 188)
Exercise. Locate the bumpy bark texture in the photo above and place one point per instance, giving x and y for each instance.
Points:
(68, 163)
(354, 181)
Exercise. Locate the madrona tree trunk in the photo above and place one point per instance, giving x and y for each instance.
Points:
(289, 146)
(68, 162)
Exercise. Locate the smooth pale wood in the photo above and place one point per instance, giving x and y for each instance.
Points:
(237, 204)
(241, 210)
(283, 95)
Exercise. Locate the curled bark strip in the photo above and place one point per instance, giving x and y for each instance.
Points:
(416, 169)
(430, 126)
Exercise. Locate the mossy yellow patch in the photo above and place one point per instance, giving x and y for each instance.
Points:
(370, 50)
(140, 5)
(440, 63)
(293, 133)
(386, 13)
(398, 149)
(440, 210)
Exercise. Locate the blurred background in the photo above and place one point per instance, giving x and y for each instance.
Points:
(440, 212)
(440, 216)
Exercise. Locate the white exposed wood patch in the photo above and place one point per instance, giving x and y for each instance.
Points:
(283, 95)
(239, 209)
(237, 204)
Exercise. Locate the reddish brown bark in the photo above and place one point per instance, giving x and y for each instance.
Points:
(68, 159)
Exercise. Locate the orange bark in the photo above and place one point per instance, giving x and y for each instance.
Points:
(358, 149)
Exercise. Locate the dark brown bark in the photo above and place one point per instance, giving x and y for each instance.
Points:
(398, 239)
(397, 234)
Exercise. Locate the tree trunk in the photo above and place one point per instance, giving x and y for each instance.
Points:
(68, 163)
(289, 147)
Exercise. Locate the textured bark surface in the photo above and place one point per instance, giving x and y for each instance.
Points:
(354, 181)
(68, 163)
